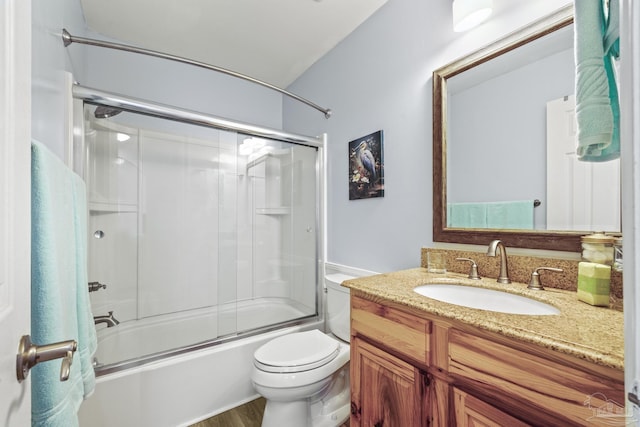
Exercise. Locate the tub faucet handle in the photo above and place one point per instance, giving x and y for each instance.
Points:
(96, 286)
(473, 270)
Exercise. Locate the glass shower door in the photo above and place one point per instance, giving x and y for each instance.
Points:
(198, 233)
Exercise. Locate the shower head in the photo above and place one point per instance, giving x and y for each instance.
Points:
(103, 112)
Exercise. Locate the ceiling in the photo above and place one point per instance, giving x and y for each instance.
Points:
(271, 40)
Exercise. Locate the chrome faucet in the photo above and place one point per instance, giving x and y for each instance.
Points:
(503, 277)
(108, 319)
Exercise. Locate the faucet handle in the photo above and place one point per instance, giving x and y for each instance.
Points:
(96, 286)
(535, 283)
(473, 271)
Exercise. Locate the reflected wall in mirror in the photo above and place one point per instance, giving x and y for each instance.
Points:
(504, 146)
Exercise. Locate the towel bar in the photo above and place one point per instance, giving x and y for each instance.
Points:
(29, 355)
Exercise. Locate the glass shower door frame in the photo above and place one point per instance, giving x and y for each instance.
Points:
(78, 157)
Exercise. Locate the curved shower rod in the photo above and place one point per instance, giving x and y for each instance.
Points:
(67, 39)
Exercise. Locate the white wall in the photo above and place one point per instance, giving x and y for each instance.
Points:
(380, 78)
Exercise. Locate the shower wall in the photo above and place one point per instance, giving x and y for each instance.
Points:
(191, 223)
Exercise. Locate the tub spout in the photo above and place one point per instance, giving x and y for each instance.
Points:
(108, 319)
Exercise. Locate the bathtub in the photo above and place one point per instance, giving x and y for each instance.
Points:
(180, 389)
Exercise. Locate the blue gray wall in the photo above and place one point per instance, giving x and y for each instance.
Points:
(51, 60)
(134, 75)
(380, 78)
(377, 78)
(182, 85)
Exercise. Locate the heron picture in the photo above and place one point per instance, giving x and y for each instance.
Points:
(366, 167)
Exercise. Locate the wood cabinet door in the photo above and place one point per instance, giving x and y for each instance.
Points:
(473, 412)
(386, 391)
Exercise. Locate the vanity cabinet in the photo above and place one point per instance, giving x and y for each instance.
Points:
(387, 390)
(413, 368)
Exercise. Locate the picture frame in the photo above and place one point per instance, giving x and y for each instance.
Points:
(366, 167)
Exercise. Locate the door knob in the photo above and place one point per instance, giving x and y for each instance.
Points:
(29, 355)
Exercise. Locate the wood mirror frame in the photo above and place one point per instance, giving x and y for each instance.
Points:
(533, 239)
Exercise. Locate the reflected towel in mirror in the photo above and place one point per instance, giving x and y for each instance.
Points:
(467, 215)
(513, 215)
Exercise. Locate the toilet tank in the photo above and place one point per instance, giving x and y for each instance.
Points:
(338, 306)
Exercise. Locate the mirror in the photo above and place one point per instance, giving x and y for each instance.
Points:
(496, 149)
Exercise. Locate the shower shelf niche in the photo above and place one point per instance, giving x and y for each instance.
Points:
(112, 207)
(282, 210)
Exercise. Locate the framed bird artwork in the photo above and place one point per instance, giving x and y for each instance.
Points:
(366, 167)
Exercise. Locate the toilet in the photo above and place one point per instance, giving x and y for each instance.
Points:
(304, 376)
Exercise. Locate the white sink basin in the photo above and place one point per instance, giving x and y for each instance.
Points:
(485, 299)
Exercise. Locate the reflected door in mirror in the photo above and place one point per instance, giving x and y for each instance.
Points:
(580, 195)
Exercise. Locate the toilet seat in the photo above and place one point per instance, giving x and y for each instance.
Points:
(297, 352)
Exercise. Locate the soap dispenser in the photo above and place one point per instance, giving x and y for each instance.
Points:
(598, 248)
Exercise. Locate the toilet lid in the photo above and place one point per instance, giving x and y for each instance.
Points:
(297, 352)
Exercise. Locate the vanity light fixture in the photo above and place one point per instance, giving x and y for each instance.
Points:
(470, 13)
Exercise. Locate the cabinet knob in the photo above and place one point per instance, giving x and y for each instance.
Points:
(354, 409)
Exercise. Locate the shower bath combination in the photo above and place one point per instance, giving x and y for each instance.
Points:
(208, 235)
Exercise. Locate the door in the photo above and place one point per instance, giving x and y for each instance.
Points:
(15, 167)
(630, 146)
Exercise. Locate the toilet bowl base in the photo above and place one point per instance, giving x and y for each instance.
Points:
(296, 413)
(328, 408)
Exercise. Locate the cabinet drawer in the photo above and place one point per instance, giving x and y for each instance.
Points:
(471, 412)
(539, 389)
(401, 333)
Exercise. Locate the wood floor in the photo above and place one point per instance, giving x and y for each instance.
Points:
(247, 415)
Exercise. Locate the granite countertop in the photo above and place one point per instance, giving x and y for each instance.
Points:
(592, 333)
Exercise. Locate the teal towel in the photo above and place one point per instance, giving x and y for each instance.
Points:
(467, 215)
(612, 33)
(60, 307)
(513, 215)
(597, 107)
